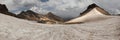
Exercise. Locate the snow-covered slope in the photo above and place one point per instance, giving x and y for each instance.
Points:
(93, 15)
(16, 29)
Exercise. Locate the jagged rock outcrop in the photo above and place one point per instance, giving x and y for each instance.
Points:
(92, 6)
(4, 10)
(29, 15)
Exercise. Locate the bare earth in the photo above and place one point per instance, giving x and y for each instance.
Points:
(17, 29)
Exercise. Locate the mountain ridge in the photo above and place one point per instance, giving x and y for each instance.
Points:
(90, 7)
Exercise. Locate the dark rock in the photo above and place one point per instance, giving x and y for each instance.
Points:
(4, 10)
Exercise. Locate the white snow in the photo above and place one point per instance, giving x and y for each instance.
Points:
(17, 29)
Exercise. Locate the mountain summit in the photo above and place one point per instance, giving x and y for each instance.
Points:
(92, 6)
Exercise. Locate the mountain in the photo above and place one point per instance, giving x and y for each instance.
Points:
(29, 15)
(93, 13)
(51, 18)
(54, 17)
(4, 10)
(92, 6)
(40, 18)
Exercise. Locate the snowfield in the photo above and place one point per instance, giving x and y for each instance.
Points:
(17, 29)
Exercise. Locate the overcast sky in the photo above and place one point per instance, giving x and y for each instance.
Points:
(63, 8)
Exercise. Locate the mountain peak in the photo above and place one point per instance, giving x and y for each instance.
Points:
(92, 6)
(89, 8)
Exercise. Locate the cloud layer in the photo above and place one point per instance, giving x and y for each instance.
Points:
(63, 8)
